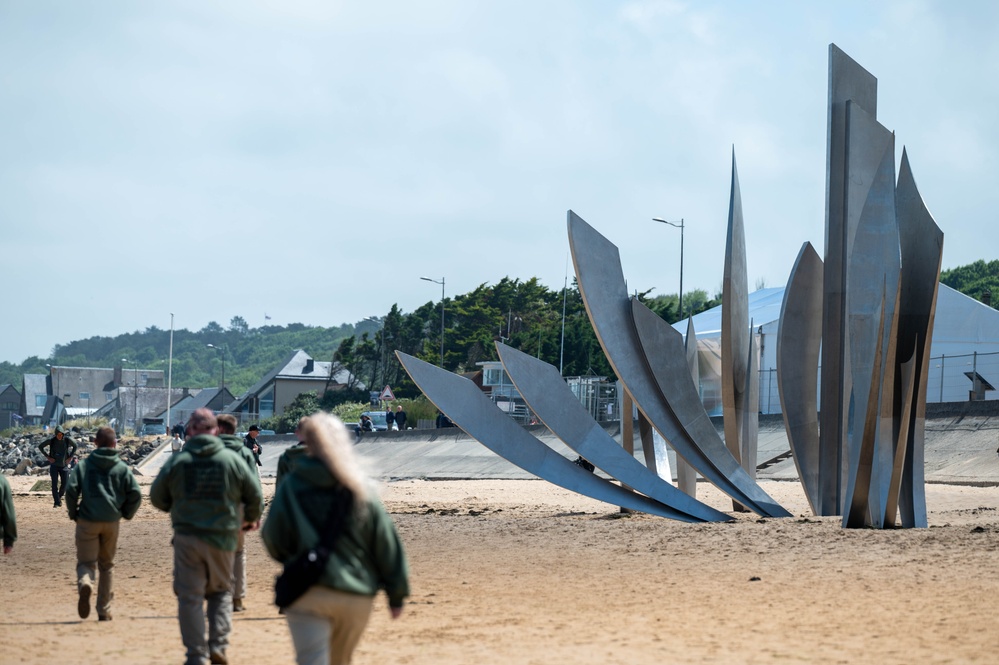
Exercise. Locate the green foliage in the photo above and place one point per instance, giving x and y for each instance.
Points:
(974, 280)
(523, 314)
(304, 405)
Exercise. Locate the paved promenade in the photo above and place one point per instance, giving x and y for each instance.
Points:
(961, 444)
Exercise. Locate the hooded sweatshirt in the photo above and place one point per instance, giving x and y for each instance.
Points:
(60, 451)
(367, 556)
(202, 487)
(102, 489)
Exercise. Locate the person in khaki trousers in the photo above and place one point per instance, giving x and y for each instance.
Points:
(101, 491)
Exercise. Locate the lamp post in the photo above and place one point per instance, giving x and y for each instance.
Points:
(678, 225)
(135, 394)
(427, 279)
(221, 390)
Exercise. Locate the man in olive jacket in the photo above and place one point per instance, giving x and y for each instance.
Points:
(202, 487)
(59, 451)
(101, 491)
(227, 432)
(8, 521)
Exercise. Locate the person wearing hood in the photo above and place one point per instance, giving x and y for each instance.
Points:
(203, 487)
(59, 451)
(101, 491)
(227, 432)
(327, 497)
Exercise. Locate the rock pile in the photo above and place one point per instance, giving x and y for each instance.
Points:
(19, 454)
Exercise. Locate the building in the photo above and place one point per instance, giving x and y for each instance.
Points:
(298, 373)
(10, 406)
(34, 395)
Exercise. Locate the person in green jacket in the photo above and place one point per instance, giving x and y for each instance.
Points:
(8, 520)
(59, 451)
(227, 432)
(326, 622)
(290, 455)
(101, 491)
(203, 487)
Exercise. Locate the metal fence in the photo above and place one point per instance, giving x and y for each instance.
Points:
(956, 378)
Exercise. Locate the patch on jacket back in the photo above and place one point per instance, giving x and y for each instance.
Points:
(204, 479)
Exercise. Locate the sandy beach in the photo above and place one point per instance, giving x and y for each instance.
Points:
(519, 571)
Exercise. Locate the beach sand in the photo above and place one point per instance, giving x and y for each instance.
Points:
(520, 571)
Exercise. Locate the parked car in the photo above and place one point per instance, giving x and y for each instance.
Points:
(153, 429)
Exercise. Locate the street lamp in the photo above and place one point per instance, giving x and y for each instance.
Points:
(135, 394)
(427, 279)
(678, 225)
(222, 390)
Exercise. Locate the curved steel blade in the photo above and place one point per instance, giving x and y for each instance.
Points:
(602, 287)
(468, 408)
(541, 385)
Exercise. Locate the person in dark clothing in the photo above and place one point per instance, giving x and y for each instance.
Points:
(102, 491)
(251, 442)
(59, 451)
(178, 430)
(389, 419)
(443, 421)
(400, 418)
(8, 520)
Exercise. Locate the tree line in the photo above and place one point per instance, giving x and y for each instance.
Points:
(550, 324)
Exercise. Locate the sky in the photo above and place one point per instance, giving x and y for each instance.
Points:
(311, 161)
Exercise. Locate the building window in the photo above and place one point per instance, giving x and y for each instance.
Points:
(144, 378)
(496, 377)
(267, 404)
(9, 406)
(85, 396)
(108, 397)
(40, 400)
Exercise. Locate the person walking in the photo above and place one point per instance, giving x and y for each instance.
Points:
(400, 418)
(8, 519)
(227, 432)
(59, 451)
(101, 491)
(202, 488)
(326, 497)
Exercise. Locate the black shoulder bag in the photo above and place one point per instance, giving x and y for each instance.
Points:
(306, 569)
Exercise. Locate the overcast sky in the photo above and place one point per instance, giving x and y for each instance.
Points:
(310, 161)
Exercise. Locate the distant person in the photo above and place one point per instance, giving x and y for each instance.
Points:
(443, 421)
(8, 519)
(59, 451)
(102, 490)
(389, 419)
(202, 488)
(364, 424)
(177, 443)
(178, 431)
(227, 432)
(291, 455)
(327, 493)
(250, 441)
(400, 418)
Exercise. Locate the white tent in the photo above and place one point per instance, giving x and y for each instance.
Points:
(965, 346)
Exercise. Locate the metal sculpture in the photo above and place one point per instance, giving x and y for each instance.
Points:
(799, 334)
(735, 337)
(686, 475)
(602, 287)
(922, 253)
(878, 289)
(468, 408)
(542, 387)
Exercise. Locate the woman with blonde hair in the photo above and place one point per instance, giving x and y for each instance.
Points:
(326, 507)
